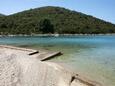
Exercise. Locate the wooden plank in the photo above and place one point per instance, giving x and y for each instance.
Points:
(30, 51)
(49, 55)
(86, 81)
(43, 55)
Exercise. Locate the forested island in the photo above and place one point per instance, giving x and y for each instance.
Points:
(53, 20)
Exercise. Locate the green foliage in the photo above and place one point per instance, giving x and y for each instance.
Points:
(1, 15)
(53, 20)
(46, 26)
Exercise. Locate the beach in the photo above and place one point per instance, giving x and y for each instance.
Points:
(17, 68)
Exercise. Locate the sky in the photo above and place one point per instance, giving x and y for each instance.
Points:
(103, 9)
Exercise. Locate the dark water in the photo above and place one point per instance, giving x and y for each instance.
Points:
(92, 56)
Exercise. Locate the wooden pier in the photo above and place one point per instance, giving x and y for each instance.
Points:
(48, 55)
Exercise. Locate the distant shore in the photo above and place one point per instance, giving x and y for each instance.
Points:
(56, 35)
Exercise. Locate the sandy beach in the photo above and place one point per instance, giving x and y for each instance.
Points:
(17, 68)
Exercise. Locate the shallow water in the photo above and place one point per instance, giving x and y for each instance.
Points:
(92, 56)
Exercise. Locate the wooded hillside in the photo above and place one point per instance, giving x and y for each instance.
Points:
(53, 20)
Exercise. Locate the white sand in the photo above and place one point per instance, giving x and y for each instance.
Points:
(19, 69)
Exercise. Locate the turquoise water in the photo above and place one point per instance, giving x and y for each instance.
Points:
(91, 56)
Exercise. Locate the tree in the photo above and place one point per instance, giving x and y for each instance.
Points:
(46, 26)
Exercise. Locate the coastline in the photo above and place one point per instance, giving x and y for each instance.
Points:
(78, 80)
(56, 35)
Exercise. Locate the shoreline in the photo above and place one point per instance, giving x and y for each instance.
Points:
(75, 77)
(56, 35)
